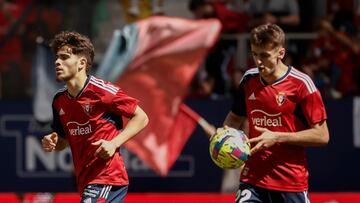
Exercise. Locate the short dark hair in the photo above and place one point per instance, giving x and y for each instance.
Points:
(79, 44)
(267, 34)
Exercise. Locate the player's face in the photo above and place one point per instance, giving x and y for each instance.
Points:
(267, 59)
(66, 64)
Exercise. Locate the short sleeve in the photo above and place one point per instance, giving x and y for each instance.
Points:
(313, 108)
(122, 104)
(56, 124)
(239, 105)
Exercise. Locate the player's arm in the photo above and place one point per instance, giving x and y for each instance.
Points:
(136, 123)
(317, 135)
(53, 142)
(133, 127)
(236, 118)
(234, 121)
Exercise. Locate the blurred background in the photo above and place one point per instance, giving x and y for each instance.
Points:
(323, 40)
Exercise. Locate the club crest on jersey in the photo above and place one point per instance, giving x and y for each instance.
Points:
(87, 108)
(280, 98)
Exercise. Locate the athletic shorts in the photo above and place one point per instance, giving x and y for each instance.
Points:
(251, 194)
(97, 193)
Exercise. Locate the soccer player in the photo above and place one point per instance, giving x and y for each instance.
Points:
(286, 113)
(87, 116)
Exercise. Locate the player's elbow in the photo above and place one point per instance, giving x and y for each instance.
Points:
(145, 120)
(322, 133)
(141, 117)
(326, 138)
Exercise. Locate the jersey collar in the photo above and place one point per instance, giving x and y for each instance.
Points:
(278, 80)
(82, 90)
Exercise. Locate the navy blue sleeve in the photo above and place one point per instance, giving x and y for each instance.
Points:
(56, 124)
(239, 105)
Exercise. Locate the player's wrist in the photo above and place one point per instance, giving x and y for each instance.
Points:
(282, 138)
(115, 143)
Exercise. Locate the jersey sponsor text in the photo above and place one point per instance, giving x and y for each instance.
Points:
(76, 129)
(266, 119)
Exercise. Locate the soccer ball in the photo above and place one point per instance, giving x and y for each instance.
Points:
(229, 149)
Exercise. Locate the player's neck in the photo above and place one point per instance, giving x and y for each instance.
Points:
(76, 84)
(280, 71)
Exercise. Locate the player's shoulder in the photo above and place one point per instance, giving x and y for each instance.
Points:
(302, 78)
(250, 73)
(60, 92)
(102, 86)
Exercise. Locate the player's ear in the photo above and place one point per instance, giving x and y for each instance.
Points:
(281, 53)
(83, 63)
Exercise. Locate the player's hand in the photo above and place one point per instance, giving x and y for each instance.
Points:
(218, 130)
(49, 142)
(263, 141)
(105, 150)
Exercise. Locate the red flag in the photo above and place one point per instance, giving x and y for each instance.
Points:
(160, 151)
(184, 124)
(169, 53)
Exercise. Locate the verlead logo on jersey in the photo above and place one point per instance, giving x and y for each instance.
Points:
(76, 128)
(280, 98)
(264, 119)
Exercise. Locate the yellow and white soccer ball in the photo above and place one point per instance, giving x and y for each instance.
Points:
(229, 149)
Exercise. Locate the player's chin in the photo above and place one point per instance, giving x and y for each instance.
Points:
(261, 68)
(263, 72)
(60, 78)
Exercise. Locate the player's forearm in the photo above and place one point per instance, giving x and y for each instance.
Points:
(234, 121)
(316, 136)
(133, 127)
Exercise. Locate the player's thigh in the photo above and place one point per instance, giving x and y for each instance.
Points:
(97, 193)
(250, 194)
(117, 194)
(293, 197)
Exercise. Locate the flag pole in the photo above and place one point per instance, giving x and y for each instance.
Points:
(206, 126)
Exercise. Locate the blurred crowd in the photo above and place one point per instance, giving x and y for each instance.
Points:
(330, 56)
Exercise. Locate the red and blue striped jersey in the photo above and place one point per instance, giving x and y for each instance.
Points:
(291, 104)
(95, 113)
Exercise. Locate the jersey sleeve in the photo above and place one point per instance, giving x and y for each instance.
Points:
(56, 124)
(313, 108)
(239, 105)
(122, 104)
